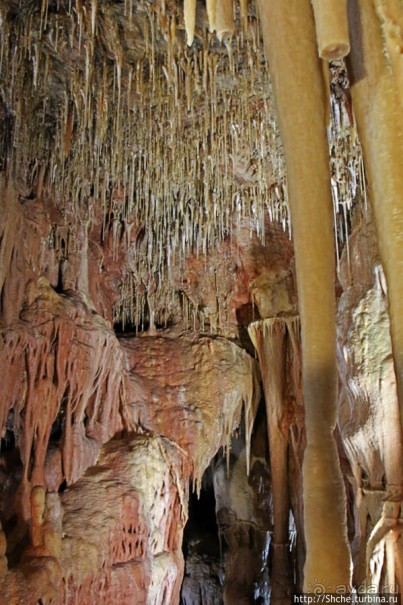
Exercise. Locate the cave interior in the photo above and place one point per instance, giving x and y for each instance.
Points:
(201, 300)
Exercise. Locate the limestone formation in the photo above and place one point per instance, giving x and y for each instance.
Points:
(201, 342)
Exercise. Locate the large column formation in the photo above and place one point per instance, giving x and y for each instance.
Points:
(378, 111)
(291, 47)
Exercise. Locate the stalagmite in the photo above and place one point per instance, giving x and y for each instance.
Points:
(190, 20)
(331, 28)
(290, 43)
(380, 126)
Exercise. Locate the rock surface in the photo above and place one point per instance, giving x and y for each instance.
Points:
(369, 413)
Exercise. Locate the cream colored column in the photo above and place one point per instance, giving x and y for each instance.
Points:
(290, 43)
(379, 117)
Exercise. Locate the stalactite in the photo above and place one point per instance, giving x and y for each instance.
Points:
(224, 18)
(112, 110)
(244, 14)
(310, 200)
(331, 28)
(269, 339)
(190, 20)
(211, 6)
(380, 125)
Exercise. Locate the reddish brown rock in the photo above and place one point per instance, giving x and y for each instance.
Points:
(192, 389)
(121, 532)
(62, 364)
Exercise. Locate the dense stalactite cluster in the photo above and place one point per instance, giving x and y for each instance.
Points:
(171, 139)
(105, 105)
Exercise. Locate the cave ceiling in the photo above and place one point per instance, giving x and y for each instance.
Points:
(169, 151)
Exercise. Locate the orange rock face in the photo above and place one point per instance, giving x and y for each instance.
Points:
(192, 389)
(122, 422)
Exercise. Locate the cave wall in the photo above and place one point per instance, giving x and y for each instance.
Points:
(85, 409)
(368, 412)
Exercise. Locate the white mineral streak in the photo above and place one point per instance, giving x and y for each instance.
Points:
(290, 43)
